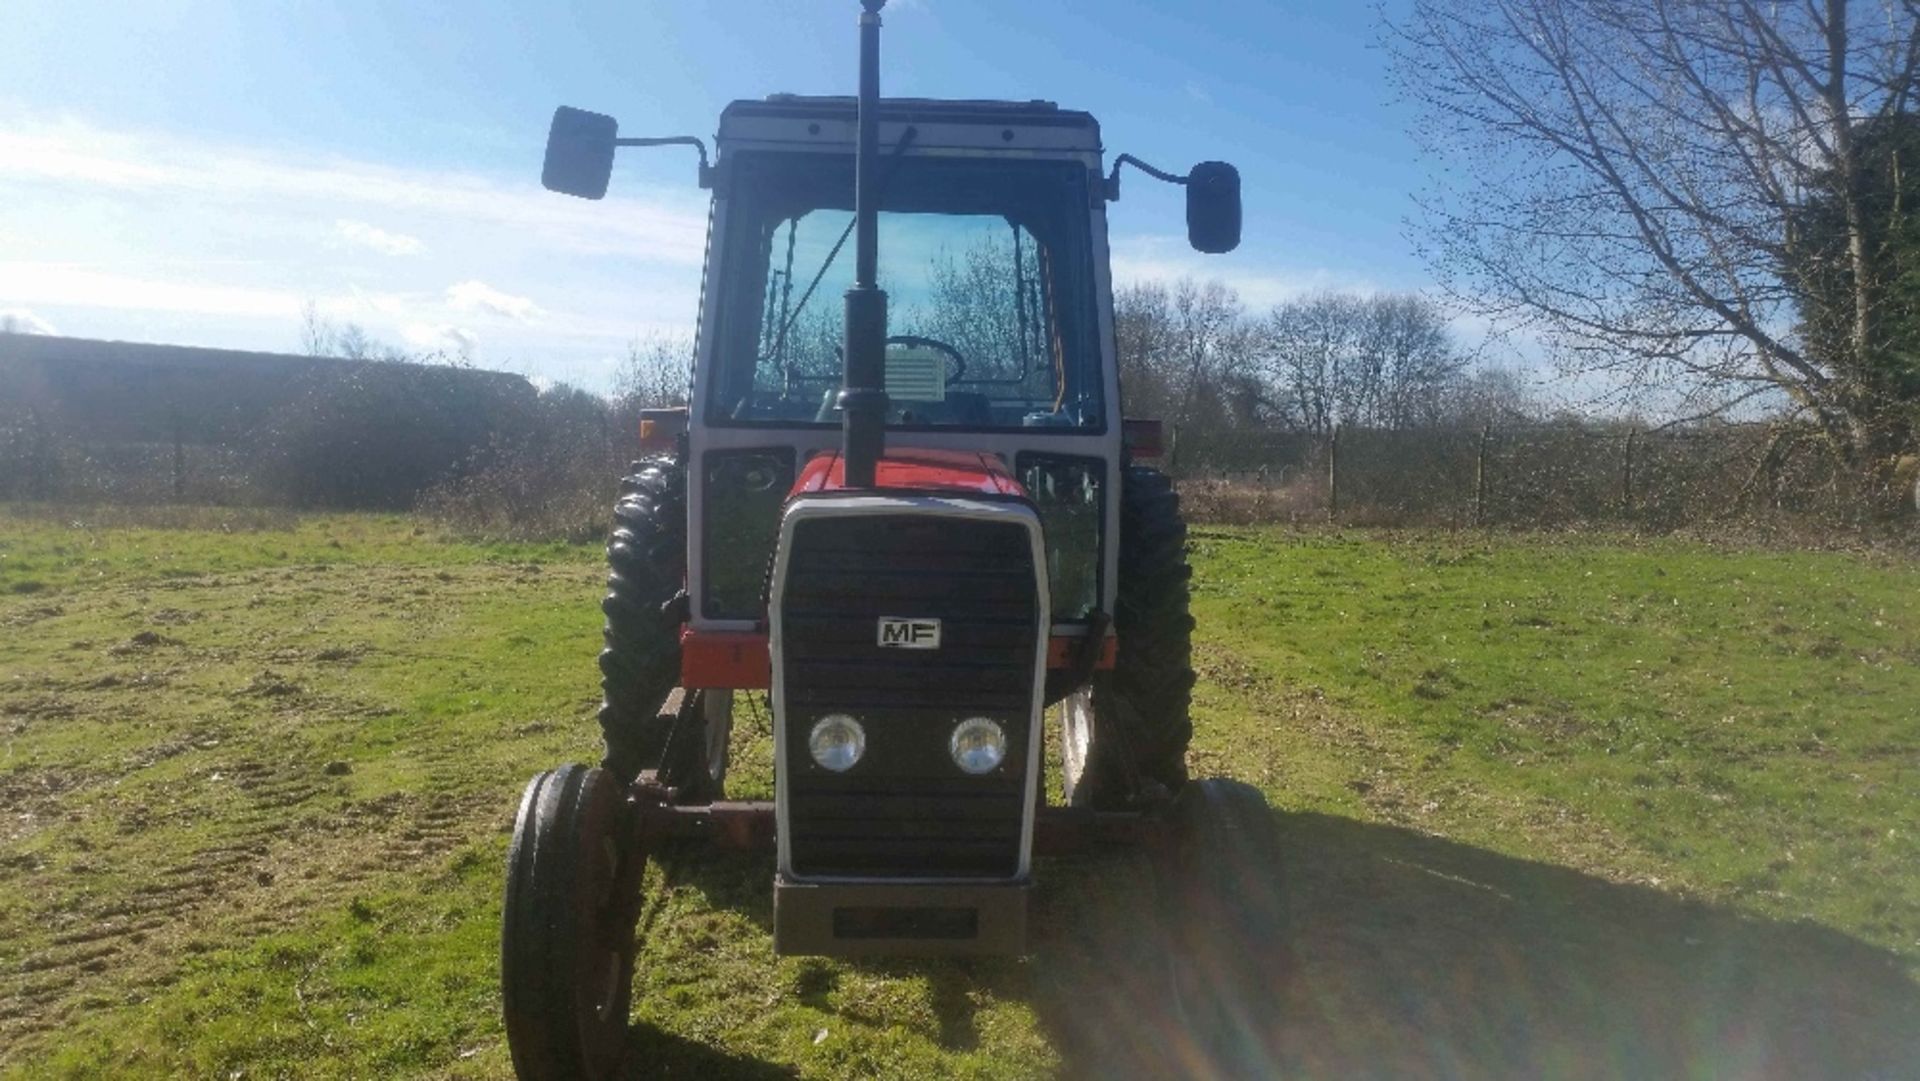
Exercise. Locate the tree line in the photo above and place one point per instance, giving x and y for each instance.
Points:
(1194, 355)
(1714, 200)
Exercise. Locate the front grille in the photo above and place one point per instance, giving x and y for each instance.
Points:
(905, 809)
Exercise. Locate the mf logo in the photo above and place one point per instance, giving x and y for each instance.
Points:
(909, 633)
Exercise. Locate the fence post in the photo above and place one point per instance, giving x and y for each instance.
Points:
(1626, 475)
(1333, 474)
(1480, 476)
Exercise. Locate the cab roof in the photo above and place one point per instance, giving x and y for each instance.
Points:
(830, 119)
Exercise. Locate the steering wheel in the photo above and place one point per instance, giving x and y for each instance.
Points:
(938, 346)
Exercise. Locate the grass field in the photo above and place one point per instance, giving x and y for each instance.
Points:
(1570, 806)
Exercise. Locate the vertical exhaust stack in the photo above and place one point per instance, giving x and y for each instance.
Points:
(863, 393)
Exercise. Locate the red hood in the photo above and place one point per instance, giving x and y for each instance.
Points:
(962, 472)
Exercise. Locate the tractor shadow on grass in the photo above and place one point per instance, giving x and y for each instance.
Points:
(742, 884)
(1388, 953)
(655, 1053)
(737, 883)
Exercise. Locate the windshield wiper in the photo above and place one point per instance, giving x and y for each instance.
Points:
(780, 343)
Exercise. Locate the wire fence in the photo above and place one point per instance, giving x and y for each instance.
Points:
(1524, 475)
(1512, 476)
(489, 453)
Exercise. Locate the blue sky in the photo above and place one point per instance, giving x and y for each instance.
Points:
(196, 171)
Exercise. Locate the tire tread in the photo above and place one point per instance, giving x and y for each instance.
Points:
(1142, 719)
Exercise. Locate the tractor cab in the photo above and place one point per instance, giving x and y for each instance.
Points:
(903, 503)
(999, 324)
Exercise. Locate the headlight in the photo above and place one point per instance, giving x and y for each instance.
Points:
(979, 745)
(837, 742)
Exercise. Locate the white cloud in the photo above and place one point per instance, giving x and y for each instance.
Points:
(1259, 287)
(664, 227)
(390, 305)
(163, 237)
(478, 296)
(372, 236)
(60, 285)
(45, 286)
(54, 284)
(22, 321)
(440, 336)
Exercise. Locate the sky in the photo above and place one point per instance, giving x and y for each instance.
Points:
(201, 171)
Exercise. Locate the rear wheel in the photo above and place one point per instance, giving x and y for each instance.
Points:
(640, 662)
(567, 932)
(1137, 720)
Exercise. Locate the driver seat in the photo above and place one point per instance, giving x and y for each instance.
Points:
(965, 408)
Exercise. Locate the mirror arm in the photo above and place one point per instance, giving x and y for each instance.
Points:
(706, 171)
(1113, 178)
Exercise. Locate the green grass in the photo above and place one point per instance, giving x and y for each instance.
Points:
(1739, 725)
(1580, 805)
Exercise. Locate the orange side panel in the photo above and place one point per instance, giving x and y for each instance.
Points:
(739, 659)
(1061, 647)
(724, 659)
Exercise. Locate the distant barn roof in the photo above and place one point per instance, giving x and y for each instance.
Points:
(51, 349)
(136, 391)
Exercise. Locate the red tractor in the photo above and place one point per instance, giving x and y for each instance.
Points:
(919, 522)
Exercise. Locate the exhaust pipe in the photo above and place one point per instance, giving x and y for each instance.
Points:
(863, 391)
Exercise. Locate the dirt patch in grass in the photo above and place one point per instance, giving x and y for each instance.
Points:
(1221, 668)
(172, 808)
(141, 642)
(27, 617)
(31, 798)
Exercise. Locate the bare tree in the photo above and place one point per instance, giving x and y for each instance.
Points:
(657, 372)
(1384, 361)
(1408, 359)
(1309, 347)
(1629, 172)
(316, 331)
(1210, 341)
(1489, 395)
(1186, 354)
(322, 337)
(986, 301)
(1143, 330)
(1179, 346)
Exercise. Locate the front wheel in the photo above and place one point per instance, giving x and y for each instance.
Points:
(567, 933)
(1137, 725)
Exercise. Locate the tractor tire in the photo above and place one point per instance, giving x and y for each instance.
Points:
(640, 661)
(1140, 724)
(567, 941)
(1218, 873)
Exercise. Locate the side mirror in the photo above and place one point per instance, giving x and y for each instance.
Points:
(580, 153)
(1213, 207)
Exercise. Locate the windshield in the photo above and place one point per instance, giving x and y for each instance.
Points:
(987, 268)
